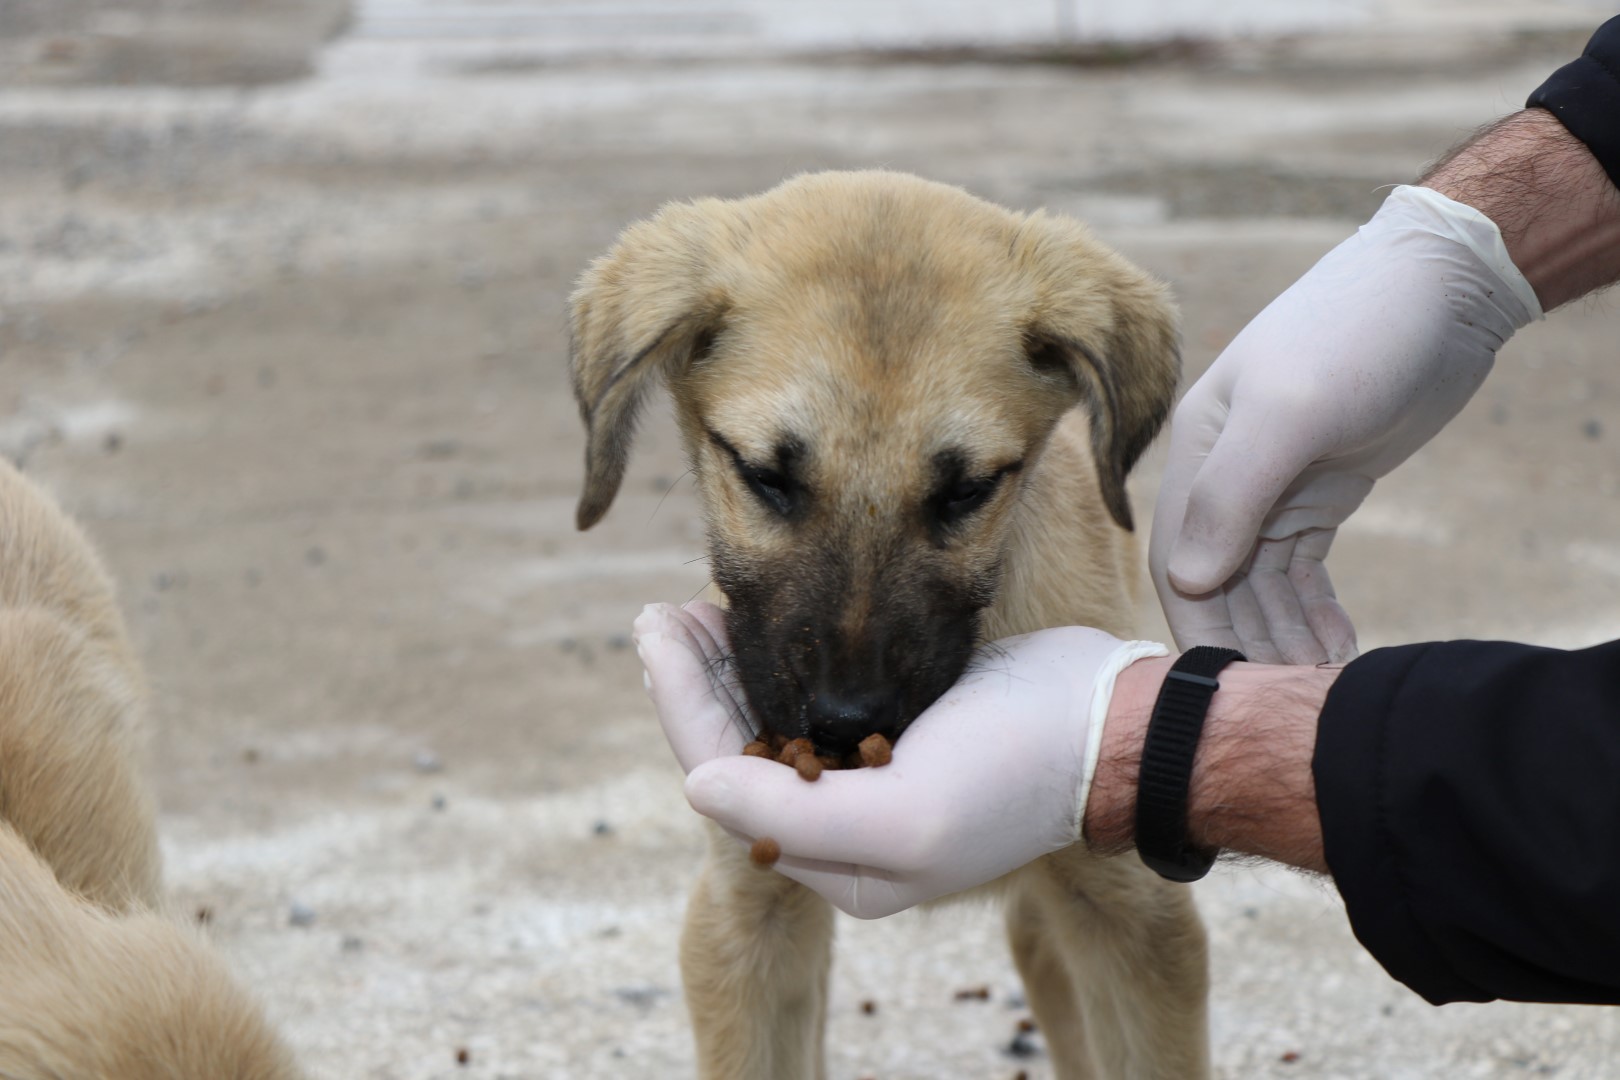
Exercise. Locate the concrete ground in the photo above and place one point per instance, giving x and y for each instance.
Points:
(295, 355)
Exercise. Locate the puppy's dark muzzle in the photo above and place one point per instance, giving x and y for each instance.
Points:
(839, 720)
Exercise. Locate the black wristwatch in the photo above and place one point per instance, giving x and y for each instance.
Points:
(1172, 738)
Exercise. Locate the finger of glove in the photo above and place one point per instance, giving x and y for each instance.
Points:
(700, 627)
(861, 816)
(699, 723)
(708, 624)
(1327, 618)
(1249, 623)
(1236, 487)
(859, 891)
(1198, 620)
(1283, 613)
(1194, 620)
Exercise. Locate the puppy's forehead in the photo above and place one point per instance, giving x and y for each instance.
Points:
(843, 409)
(875, 319)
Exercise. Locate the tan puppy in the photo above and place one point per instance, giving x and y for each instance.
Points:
(93, 984)
(876, 380)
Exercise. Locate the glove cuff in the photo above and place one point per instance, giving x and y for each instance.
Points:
(1102, 695)
(1461, 223)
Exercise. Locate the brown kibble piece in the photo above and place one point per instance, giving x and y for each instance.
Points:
(869, 1007)
(776, 740)
(808, 766)
(875, 751)
(757, 748)
(463, 1056)
(974, 993)
(792, 751)
(765, 852)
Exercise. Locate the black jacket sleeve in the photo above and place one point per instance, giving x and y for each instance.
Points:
(1585, 96)
(1470, 802)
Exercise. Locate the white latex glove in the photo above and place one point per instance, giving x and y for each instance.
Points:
(1334, 384)
(992, 776)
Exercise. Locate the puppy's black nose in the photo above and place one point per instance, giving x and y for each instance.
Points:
(840, 720)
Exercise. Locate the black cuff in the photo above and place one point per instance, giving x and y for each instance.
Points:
(1363, 849)
(1585, 97)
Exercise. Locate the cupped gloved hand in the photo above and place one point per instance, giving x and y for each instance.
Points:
(992, 776)
(1338, 381)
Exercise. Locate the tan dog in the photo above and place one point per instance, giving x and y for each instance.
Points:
(876, 380)
(94, 985)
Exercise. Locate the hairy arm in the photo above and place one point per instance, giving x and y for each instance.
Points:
(1252, 790)
(1558, 211)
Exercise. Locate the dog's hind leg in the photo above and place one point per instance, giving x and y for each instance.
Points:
(755, 957)
(1139, 958)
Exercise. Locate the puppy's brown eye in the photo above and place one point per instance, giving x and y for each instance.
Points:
(964, 495)
(962, 498)
(773, 489)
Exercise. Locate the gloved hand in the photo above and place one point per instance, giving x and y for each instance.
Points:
(993, 775)
(1334, 384)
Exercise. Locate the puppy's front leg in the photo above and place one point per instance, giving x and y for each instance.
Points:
(755, 957)
(1138, 951)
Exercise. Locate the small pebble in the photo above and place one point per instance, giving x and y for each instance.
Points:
(463, 1055)
(868, 1008)
(426, 761)
(602, 828)
(1022, 1046)
(300, 914)
(352, 944)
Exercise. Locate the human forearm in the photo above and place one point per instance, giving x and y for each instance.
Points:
(1252, 789)
(1558, 211)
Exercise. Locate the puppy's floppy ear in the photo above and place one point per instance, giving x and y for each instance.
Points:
(1112, 328)
(641, 311)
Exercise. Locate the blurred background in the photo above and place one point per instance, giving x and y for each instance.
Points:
(281, 320)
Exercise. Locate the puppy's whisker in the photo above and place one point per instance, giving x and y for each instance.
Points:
(665, 495)
(722, 671)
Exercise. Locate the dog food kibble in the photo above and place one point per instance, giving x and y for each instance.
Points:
(796, 749)
(800, 754)
(875, 751)
(765, 852)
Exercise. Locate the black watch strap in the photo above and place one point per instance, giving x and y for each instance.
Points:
(1172, 738)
